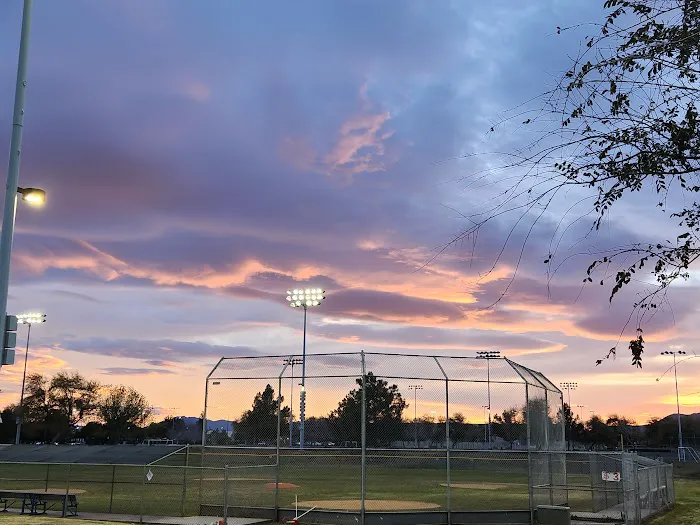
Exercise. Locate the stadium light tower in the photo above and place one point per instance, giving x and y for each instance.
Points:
(580, 411)
(568, 386)
(674, 353)
(415, 389)
(304, 298)
(488, 355)
(29, 320)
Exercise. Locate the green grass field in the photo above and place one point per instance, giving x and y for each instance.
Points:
(687, 509)
(480, 482)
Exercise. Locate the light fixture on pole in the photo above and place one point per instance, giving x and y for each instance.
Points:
(415, 389)
(488, 355)
(29, 320)
(291, 362)
(304, 298)
(30, 195)
(580, 412)
(568, 386)
(674, 353)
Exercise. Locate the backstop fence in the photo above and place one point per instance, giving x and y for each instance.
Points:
(439, 438)
(374, 438)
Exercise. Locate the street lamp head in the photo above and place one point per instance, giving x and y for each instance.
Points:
(33, 196)
(305, 297)
(31, 318)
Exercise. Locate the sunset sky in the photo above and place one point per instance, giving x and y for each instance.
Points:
(202, 157)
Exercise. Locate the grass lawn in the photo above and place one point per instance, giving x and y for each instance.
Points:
(687, 509)
(125, 489)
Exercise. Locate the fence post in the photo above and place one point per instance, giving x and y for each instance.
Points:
(447, 442)
(225, 495)
(48, 467)
(363, 441)
(548, 453)
(201, 475)
(277, 447)
(185, 471)
(143, 490)
(65, 500)
(637, 502)
(447, 445)
(111, 490)
(530, 481)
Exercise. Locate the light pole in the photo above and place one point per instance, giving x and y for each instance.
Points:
(29, 320)
(568, 386)
(30, 195)
(415, 389)
(304, 298)
(488, 355)
(580, 411)
(291, 362)
(681, 450)
(485, 407)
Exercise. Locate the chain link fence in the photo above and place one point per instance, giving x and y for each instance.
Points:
(369, 438)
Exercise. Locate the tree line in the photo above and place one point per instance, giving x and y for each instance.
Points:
(386, 425)
(69, 407)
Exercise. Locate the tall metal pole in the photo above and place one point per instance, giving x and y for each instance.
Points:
(415, 417)
(302, 408)
(681, 451)
(8, 217)
(291, 404)
(20, 417)
(363, 441)
(488, 387)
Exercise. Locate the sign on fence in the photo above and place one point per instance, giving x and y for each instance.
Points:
(611, 476)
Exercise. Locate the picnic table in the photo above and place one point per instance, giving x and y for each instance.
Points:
(34, 500)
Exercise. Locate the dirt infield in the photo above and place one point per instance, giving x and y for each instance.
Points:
(484, 485)
(281, 485)
(370, 504)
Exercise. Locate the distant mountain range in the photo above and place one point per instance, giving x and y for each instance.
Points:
(694, 417)
(218, 424)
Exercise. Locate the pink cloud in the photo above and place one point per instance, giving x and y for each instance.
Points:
(358, 148)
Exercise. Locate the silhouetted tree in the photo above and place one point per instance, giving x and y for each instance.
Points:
(121, 408)
(260, 422)
(622, 120)
(384, 410)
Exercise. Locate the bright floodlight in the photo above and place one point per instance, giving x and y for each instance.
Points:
(31, 318)
(33, 196)
(305, 297)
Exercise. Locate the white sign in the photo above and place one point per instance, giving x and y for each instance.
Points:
(611, 476)
(149, 476)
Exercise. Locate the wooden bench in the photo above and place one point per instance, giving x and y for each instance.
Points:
(35, 501)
